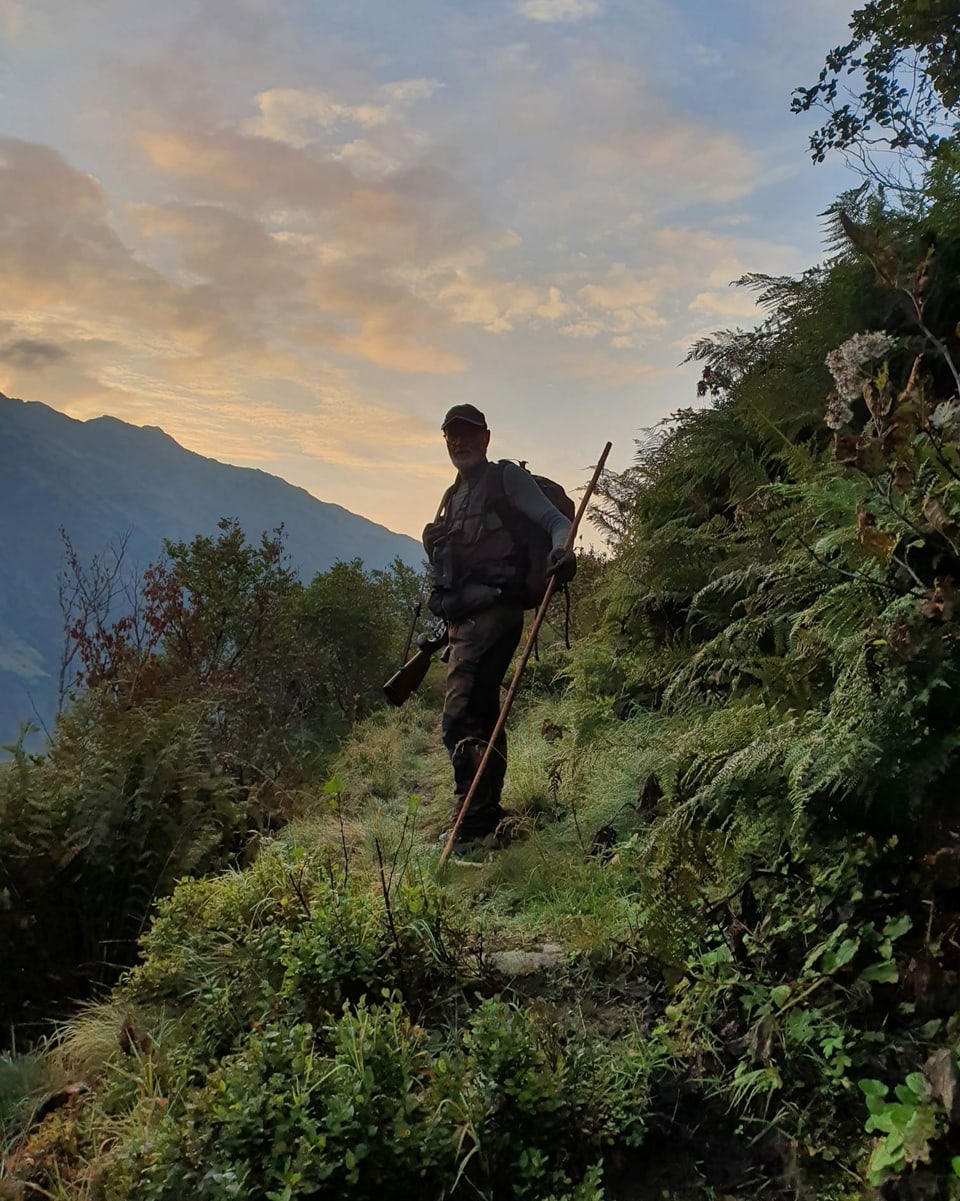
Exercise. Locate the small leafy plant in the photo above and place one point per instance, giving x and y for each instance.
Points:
(908, 1124)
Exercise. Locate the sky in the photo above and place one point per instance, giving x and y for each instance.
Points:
(292, 233)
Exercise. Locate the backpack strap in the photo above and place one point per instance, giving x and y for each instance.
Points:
(497, 497)
(516, 523)
(445, 501)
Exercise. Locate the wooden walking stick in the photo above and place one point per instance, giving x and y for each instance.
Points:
(521, 664)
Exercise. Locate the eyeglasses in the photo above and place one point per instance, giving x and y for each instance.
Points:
(464, 433)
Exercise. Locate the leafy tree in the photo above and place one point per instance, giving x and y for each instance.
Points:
(358, 620)
(232, 598)
(227, 621)
(905, 56)
(202, 693)
(213, 620)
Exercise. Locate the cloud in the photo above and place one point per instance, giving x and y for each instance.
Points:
(558, 10)
(233, 252)
(705, 257)
(622, 303)
(730, 305)
(668, 155)
(299, 116)
(31, 353)
(230, 273)
(611, 370)
(59, 249)
(253, 172)
(413, 213)
(20, 22)
(378, 342)
(497, 306)
(592, 138)
(345, 257)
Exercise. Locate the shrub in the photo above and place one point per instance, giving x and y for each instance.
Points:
(370, 1106)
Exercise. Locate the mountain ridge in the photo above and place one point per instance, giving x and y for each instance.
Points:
(103, 480)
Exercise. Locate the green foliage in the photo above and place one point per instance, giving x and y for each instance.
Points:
(23, 1081)
(371, 1105)
(909, 1124)
(295, 1033)
(734, 809)
(360, 618)
(903, 55)
(121, 806)
(781, 642)
(392, 753)
(197, 719)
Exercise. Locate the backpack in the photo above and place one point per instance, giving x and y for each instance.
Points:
(532, 541)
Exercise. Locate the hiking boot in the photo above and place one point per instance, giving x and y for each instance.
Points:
(470, 844)
(511, 828)
(479, 821)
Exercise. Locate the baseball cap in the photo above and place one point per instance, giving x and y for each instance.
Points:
(468, 413)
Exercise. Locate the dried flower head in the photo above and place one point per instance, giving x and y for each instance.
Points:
(848, 361)
(838, 413)
(946, 418)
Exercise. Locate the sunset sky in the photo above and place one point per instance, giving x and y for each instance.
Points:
(292, 233)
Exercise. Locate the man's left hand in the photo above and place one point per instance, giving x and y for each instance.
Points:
(432, 533)
(562, 565)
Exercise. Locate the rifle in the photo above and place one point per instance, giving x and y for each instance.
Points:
(414, 618)
(409, 678)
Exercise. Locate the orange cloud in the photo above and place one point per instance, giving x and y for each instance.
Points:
(386, 348)
(299, 116)
(224, 164)
(549, 11)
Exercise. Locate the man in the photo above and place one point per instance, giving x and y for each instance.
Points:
(479, 566)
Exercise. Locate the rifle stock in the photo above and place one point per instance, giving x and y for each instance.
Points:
(409, 678)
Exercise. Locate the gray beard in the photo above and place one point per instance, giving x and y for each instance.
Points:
(470, 470)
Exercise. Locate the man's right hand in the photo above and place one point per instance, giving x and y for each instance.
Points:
(433, 531)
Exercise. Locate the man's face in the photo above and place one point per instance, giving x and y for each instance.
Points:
(466, 444)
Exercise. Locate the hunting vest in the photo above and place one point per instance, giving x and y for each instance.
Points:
(485, 550)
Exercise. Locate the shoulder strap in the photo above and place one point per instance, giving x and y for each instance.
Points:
(497, 495)
(447, 497)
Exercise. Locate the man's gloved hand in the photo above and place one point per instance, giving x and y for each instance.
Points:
(432, 533)
(562, 565)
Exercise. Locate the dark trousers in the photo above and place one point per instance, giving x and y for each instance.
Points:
(481, 648)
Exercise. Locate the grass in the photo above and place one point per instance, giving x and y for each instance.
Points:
(631, 913)
(391, 791)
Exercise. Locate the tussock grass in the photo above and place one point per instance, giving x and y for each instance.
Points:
(25, 1079)
(394, 755)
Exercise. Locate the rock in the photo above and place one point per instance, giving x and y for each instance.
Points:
(547, 957)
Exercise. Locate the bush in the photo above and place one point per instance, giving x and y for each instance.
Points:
(90, 835)
(370, 1106)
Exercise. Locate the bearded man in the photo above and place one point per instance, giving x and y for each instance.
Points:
(479, 560)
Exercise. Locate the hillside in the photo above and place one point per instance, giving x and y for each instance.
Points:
(718, 956)
(103, 480)
(714, 954)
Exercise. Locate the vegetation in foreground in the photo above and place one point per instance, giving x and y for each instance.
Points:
(720, 957)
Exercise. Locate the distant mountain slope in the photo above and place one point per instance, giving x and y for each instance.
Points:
(102, 479)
